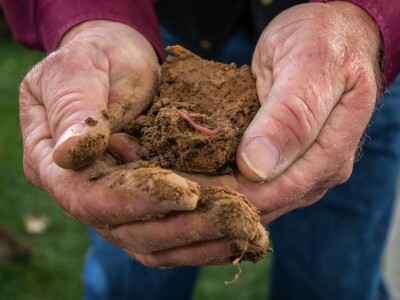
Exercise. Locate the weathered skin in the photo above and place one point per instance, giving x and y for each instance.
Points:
(329, 90)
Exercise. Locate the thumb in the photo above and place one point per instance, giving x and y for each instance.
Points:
(290, 118)
(73, 85)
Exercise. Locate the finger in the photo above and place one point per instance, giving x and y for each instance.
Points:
(36, 136)
(217, 215)
(298, 104)
(214, 252)
(124, 147)
(305, 181)
(97, 195)
(177, 230)
(136, 194)
(133, 78)
(310, 198)
(208, 222)
(261, 66)
(74, 102)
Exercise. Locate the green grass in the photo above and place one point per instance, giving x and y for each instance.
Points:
(55, 268)
(251, 285)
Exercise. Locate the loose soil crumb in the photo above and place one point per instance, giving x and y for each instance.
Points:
(91, 122)
(202, 110)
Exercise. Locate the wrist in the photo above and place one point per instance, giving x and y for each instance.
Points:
(110, 37)
(84, 29)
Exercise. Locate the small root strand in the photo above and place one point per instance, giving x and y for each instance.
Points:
(236, 262)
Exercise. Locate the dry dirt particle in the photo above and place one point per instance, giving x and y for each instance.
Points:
(91, 122)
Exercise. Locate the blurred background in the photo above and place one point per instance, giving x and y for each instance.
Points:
(42, 251)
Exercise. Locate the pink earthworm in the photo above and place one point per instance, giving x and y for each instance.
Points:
(210, 132)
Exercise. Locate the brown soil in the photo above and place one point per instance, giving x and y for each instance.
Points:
(91, 122)
(88, 149)
(230, 212)
(195, 125)
(199, 116)
(162, 186)
(237, 219)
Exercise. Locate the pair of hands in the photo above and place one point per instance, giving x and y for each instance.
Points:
(316, 68)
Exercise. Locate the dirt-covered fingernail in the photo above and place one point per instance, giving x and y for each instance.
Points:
(261, 156)
(79, 146)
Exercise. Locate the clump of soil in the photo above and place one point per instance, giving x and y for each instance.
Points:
(161, 185)
(237, 219)
(232, 215)
(202, 110)
(195, 125)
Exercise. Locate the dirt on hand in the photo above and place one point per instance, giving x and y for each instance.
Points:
(195, 125)
(199, 116)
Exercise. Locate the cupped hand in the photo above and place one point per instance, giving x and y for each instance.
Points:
(317, 77)
(103, 75)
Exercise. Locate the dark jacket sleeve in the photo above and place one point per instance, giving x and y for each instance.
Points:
(386, 14)
(41, 24)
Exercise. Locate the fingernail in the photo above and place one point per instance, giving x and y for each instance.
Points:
(74, 130)
(261, 156)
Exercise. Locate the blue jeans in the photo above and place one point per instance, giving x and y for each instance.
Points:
(330, 250)
(333, 249)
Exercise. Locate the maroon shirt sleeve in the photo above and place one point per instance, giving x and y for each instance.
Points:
(386, 14)
(42, 24)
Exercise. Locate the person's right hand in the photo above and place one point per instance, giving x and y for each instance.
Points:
(100, 66)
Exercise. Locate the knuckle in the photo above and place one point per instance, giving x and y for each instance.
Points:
(135, 240)
(30, 174)
(295, 115)
(343, 174)
(333, 144)
(314, 196)
(338, 163)
(141, 246)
